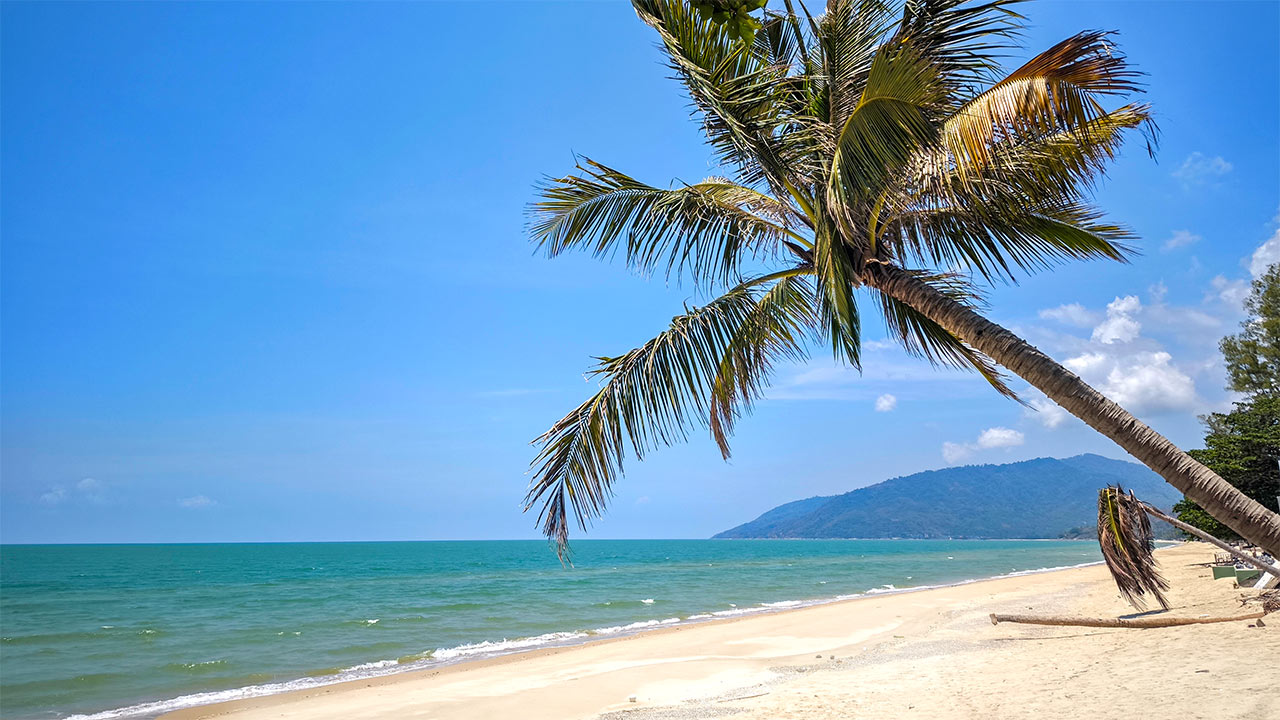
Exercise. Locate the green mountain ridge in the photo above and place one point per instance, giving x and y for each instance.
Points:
(1040, 498)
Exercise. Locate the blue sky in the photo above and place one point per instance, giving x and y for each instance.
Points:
(265, 275)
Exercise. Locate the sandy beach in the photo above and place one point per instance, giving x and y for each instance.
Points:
(932, 653)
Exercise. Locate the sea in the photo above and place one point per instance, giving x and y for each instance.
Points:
(98, 632)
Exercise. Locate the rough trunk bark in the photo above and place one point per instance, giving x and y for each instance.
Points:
(1219, 498)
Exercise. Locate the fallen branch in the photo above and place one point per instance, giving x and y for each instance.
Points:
(1117, 622)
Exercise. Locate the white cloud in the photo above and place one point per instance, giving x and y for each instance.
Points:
(955, 452)
(989, 439)
(1231, 292)
(1120, 325)
(1072, 314)
(1144, 381)
(196, 501)
(86, 489)
(1267, 254)
(1048, 412)
(999, 437)
(886, 403)
(1180, 238)
(1199, 168)
(54, 496)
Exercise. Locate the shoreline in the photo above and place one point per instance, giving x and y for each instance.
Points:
(390, 669)
(678, 664)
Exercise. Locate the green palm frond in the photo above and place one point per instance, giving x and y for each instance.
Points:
(995, 244)
(892, 122)
(706, 229)
(837, 308)
(965, 40)
(848, 37)
(1124, 533)
(650, 397)
(735, 88)
(774, 331)
(924, 338)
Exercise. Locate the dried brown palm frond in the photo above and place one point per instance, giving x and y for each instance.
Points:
(1124, 532)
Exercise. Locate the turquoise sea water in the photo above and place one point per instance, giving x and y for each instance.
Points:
(109, 631)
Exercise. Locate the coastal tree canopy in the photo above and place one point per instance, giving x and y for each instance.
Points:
(1253, 354)
(1243, 446)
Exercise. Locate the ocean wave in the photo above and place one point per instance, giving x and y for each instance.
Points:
(196, 668)
(502, 647)
(471, 651)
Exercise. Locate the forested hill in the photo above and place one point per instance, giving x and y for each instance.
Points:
(1041, 498)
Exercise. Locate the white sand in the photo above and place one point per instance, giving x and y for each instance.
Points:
(928, 654)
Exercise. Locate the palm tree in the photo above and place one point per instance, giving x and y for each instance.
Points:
(876, 151)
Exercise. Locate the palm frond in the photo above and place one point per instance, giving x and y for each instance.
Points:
(706, 228)
(848, 36)
(650, 397)
(964, 40)
(924, 338)
(736, 89)
(1124, 533)
(837, 308)
(1064, 165)
(892, 123)
(774, 331)
(1056, 91)
(1000, 235)
(1026, 210)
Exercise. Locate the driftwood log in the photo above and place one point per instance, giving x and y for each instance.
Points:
(1117, 622)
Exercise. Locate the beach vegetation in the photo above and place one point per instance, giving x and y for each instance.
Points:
(1243, 446)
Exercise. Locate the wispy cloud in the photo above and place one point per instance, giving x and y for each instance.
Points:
(84, 490)
(1072, 314)
(1199, 169)
(1180, 239)
(1047, 412)
(989, 439)
(196, 501)
(886, 403)
(54, 496)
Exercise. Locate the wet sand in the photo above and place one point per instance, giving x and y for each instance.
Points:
(928, 654)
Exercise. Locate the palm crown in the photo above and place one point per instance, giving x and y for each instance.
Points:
(874, 141)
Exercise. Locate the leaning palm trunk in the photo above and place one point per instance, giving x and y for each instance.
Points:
(1197, 532)
(1219, 498)
(880, 150)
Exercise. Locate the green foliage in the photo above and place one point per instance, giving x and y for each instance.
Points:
(734, 15)
(878, 135)
(1253, 355)
(1242, 446)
